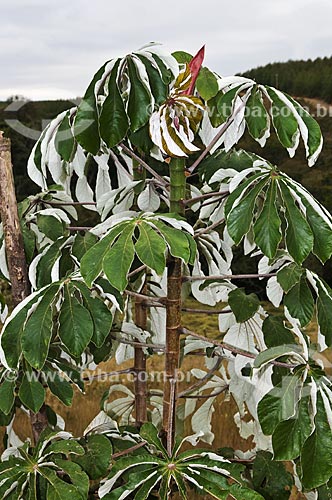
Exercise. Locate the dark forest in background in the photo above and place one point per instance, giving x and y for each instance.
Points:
(312, 78)
(309, 81)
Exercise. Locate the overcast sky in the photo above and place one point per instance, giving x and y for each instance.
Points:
(51, 48)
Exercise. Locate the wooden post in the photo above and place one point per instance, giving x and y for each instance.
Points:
(16, 260)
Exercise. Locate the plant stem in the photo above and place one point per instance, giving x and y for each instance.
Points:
(140, 381)
(173, 308)
(140, 367)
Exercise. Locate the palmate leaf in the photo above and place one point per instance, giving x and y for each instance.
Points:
(146, 237)
(207, 471)
(255, 196)
(35, 471)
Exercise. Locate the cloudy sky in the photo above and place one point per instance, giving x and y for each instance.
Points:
(51, 48)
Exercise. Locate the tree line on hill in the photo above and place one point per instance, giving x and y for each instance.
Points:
(311, 78)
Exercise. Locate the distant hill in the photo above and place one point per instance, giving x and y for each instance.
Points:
(34, 115)
(312, 78)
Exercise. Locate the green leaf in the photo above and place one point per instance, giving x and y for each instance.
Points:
(240, 493)
(182, 57)
(279, 404)
(316, 456)
(158, 87)
(117, 262)
(289, 276)
(177, 241)
(324, 310)
(240, 217)
(299, 237)
(47, 262)
(113, 118)
(83, 243)
(146, 488)
(150, 433)
(267, 226)
(150, 248)
(290, 435)
(37, 333)
(61, 388)
(101, 316)
(65, 447)
(283, 120)
(256, 115)
(86, 127)
(275, 332)
(139, 102)
(321, 231)
(64, 140)
(221, 105)
(58, 489)
(243, 306)
(92, 261)
(7, 397)
(97, 457)
(51, 226)
(79, 479)
(207, 84)
(75, 324)
(314, 133)
(300, 303)
(73, 374)
(270, 478)
(31, 393)
(274, 353)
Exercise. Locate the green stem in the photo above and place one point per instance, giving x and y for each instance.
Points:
(173, 309)
(177, 185)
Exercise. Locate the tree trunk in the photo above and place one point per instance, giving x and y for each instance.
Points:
(15, 255)
(173, 310)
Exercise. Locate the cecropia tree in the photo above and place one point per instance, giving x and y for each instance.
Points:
(149, 157)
